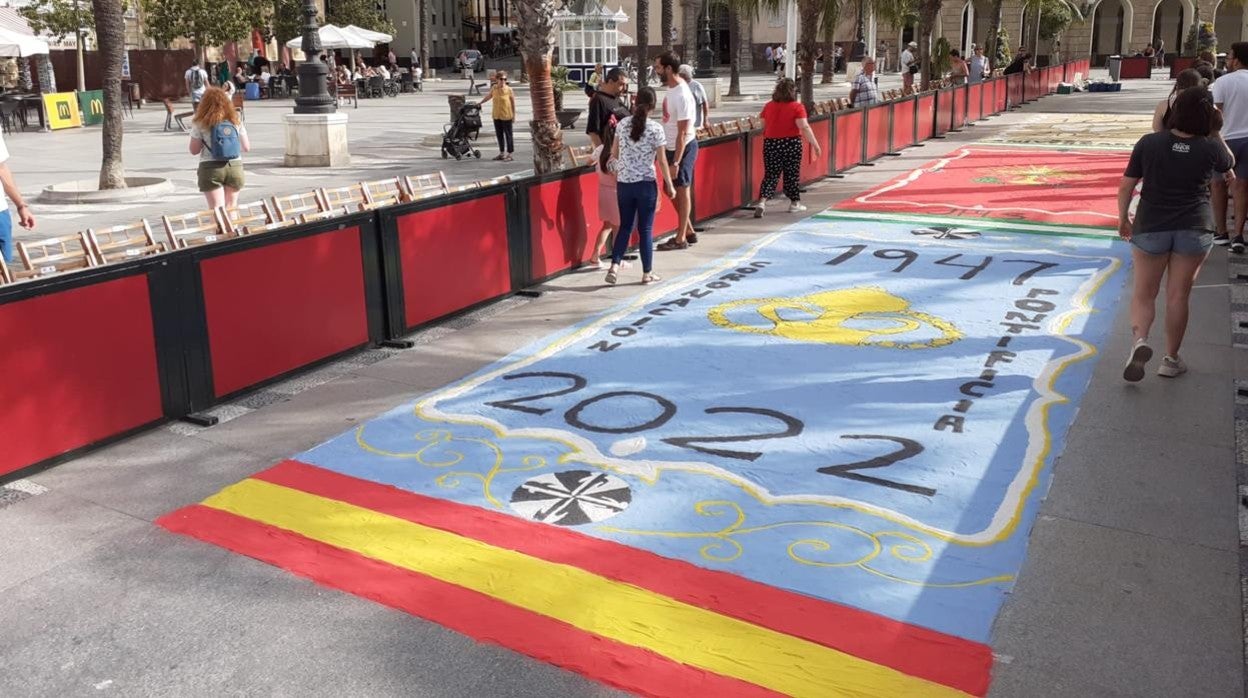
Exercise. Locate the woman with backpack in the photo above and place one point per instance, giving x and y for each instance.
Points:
(220, 140)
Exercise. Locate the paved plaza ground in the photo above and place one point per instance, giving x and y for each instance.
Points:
(388, 137)
(1131, 584)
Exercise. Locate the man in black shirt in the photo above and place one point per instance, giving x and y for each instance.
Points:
(605, 103)
(1018, 65)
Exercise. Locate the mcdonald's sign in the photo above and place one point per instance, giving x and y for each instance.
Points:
(92, 104)
(62, 110)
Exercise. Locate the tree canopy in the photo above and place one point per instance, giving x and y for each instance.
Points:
(58, 18)
(205, 22)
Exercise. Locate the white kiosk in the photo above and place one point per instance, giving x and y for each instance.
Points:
(589, 39)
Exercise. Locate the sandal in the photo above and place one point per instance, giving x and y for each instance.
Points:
(692, 238)
(650, 278)
(500, 156)
(672, 245)
(611, 276)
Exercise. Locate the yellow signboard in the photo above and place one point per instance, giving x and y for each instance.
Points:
(62, 110)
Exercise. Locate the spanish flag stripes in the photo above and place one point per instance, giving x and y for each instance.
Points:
(620, 615)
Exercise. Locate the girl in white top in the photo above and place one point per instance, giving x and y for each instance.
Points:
(637, 151)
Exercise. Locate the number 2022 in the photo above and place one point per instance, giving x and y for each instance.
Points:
(790, 426)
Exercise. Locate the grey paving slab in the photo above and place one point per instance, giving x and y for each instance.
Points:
(152, 474)
(1104, 612)
(286, 428)
(1147, 483)
(161, 615)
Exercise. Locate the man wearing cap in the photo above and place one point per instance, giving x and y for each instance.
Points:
(909, 65)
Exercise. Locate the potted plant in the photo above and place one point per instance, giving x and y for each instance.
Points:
(560, 82)
(1200, 37)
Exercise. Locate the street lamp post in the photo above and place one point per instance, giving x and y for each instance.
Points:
(706, 57)
(314, 97)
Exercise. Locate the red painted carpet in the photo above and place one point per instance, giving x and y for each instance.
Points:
(1038, 186)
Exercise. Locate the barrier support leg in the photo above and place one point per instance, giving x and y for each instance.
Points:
(201, 419)
(396, 344)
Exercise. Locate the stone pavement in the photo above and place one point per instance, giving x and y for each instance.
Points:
(1131, 585)
(388, 137)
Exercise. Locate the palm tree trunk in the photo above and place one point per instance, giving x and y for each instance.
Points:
(808, 25)
(927, 21)
(734, 47)
(423, 6)
(110, 32)
(643, 40)
(665, 25)
(537, 38)
(829, 47)
(994, 27)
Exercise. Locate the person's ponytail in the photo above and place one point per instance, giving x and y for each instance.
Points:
(642, 106)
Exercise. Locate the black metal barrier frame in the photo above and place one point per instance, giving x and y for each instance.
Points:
(176, 287)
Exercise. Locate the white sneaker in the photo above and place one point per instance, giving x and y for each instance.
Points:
(1171, 366)
(796, 207)
(760, 208)
(1133, 372)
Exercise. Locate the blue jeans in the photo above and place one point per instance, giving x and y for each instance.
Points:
(637, 202)
(6, 235)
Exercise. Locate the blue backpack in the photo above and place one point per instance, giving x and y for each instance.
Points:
(224, 143)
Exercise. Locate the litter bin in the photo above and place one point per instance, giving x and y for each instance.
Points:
(455, 102)
(1115, 68)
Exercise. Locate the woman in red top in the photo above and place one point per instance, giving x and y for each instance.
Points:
(784, 126)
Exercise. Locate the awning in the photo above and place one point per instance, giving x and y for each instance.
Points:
(378, 37)
(333, 37)
(14, 45)
(501, 29)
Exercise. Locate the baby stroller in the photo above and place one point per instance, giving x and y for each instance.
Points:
(456, 136)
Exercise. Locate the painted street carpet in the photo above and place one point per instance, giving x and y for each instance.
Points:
(809, 469)
(1094, 131)
(1066, 189)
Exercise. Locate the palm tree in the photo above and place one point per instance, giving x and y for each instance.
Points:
(829, 44)
(423, 7)
(643, 39)
(734, 49)
(110, 33)
(536, 20)
(928, 9)
(994, 28)
(665, 23)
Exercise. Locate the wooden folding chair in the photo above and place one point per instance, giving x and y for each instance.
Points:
(55, 255)
(252, 218)
(194, 229)
(293, 207)
(385, 192)
(11, 275)
(580, 155)
(122, 242)
(350, 197)
(425, 186)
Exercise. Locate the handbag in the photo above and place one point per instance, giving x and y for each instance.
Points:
(914, 68)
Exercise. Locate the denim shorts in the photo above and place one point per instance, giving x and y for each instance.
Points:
(684, 173)
(1239, 148)
(6, 235)
(1194, 243)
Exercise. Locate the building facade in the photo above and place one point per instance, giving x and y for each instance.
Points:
(446, 29)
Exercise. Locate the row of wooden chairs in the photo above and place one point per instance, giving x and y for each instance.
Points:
(93, 248)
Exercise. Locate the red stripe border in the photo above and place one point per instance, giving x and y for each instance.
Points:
(476, 615)
(952, 661)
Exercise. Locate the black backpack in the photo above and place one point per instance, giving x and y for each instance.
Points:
(197, 78)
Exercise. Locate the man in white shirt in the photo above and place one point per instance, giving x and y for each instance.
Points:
(383, 72)
(865, 91)
(13, 194)
(679, 115)
(781, 54)
(908, 61)
(977, 66)
(1230, 94)
(196, 79)
(702, 108)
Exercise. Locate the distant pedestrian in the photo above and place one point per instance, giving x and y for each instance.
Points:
(977, 67)
(909, 66)
(702, 108)
(220, 140)
(784, 127)
(414, 57)
(503, 110)
(196, 79)
(1161, 113)
(1173, 227)
(838, 54)
(864, 91)
(11, 194)
(1230, 94)
(782, 55)
(770, 55)
(637, 152)
(958, 69)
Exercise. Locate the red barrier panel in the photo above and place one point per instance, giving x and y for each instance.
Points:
(301, 300)
(903, 125)
(1014, 89)
(819, 168)
(717, 178)
(446, 269)
(80, 367)
(848, 139)
(959, 107)
(877, 132)
(1000, 95)
(926, 116)
(1034, 87)
(975, 102)
(563, 220)
(944, 112)
(756, 162)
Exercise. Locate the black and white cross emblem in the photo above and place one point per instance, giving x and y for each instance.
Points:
(946, 232)
(571, 497)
